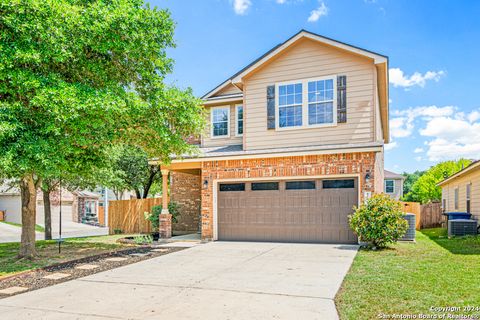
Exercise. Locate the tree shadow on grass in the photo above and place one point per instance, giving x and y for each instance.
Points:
(468, 245)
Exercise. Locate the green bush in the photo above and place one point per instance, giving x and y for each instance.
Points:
(143, 239)
(379, 221)
(153, 216)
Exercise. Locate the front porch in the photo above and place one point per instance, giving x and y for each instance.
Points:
(183, 182)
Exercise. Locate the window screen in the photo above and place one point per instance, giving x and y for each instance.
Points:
(263, 186)
(299, 185)
(232, 187)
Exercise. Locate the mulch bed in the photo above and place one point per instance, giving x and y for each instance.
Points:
(33, 279)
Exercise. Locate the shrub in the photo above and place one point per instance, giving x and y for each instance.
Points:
(143, 239)
(379, 221)
(153, 216)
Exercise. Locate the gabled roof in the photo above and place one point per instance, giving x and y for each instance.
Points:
(470, 168)
(392, 175)
(236, 78)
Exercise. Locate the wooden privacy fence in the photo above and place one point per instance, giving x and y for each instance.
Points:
(128, 215)
(426, 215)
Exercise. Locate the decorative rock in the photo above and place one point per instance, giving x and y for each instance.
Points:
(57, 276)
(116, 259)
(160, 250)
(87, 266)
(13, 290)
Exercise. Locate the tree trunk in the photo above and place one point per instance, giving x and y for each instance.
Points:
(137, 194)
(29, 203)
(151, 177)
(47, 209)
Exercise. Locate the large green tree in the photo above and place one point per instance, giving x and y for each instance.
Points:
(425, 188)
(132, 171)
(410, 179)
(78, 77)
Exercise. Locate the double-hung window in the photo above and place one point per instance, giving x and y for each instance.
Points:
(239, 112)
(307, 103)
(290, 106)
(320, 102)
(389, 186)
(220, 117)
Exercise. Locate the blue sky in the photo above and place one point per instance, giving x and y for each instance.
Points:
(433, 46)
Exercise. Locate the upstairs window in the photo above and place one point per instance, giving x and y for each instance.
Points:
(220, 118)
(239, 120)
(320, 102)
(307, 103)
(290, 105)
(389, 186)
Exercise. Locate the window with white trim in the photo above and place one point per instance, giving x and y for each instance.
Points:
(320, 101)
(220, 118)
(389, 186)
(307, 103)
(290, 105)
(239, 112)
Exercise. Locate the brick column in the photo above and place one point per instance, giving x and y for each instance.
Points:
(165, 218)
(165, 227)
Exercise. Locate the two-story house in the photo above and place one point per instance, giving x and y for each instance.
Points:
(295, 140)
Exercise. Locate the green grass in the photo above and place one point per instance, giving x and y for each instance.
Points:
(48, 253)
(409, 278)
(38, 228)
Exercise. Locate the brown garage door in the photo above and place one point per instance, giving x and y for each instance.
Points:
(288, 211)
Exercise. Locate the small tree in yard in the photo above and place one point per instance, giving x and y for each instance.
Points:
(379, 221)
(78, 78)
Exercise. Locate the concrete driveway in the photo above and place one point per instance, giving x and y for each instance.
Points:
(220, 280)
(9, 233)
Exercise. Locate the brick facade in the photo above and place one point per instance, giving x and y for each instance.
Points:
(312, 165)
(186, 192)
(165, 226)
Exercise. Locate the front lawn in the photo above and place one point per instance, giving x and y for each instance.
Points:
(48, 253)
(410, 278)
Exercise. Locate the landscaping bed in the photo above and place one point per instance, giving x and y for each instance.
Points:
(75, 261)
(412, 278)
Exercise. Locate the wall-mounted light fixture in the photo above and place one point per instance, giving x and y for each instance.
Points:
(205, 184)
(367, 177)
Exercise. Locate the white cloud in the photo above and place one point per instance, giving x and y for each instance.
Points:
(400, 127)
(450, 133)
(316, 14)
(418, 159)
(241, 6)
(474, 116)
(281, 1)
(399, 79)
(403, 125)
(452, 138)
(391, 145)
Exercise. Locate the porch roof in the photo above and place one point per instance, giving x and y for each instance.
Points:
(234, 152)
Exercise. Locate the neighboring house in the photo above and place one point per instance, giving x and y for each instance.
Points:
(393, 184)
(461, 191)
(78, 206)
(295, 140)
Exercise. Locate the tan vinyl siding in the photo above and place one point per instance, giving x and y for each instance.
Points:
(207, 141)
(309, 59)
(448, 193)
(229, 89)
(397, 191)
